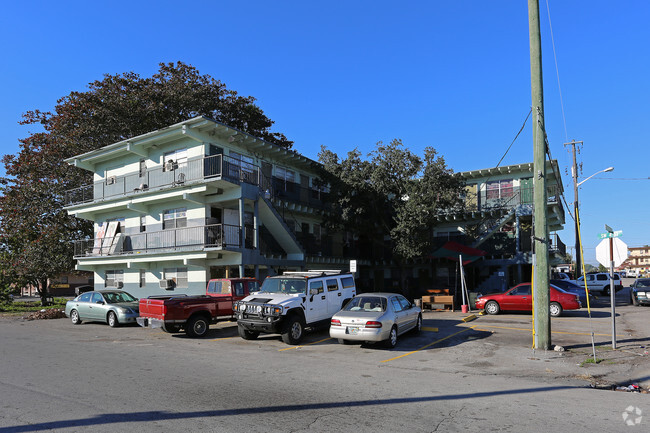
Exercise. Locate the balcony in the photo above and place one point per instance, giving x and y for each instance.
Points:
(180, 239)
(508, 198)
(168, 176)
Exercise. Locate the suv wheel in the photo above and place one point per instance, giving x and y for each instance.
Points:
(293, 330)
(246, 334)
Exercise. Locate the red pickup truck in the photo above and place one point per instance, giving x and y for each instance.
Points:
(195, 313)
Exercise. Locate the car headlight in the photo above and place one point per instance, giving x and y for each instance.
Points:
(641, 293)
(271, 310)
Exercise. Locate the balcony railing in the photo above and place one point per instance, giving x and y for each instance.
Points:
(171, 174)
(508, 198)
(179, 239)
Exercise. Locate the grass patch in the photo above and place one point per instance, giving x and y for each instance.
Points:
(591, 361)
(28, 307)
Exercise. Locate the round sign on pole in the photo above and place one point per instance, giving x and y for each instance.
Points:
(620, 252)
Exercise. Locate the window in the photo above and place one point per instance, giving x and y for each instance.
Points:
(499, 189)
(97, 298)
(85, 297)
(214, 286)
(242, 161)
(347, 282)
(332, 285)
(173, 160)
(174, 218)
(285, 174)
(397, 307)
(113, 277)
(404, 302)
(316, 285)
(143, 278)
(178, 275)
(521, 290)
(253, 286)
(238, 288)
(143, 168)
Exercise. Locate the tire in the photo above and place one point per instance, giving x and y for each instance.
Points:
(634, 301)
(112, 320)
(74, 316)
(606, 291)
(344, 341)
(391, 342)
(171, 329)
(246, 334)
(555, 309)
(293, 330)
(492, 307)
(197, 327)
(418, 325)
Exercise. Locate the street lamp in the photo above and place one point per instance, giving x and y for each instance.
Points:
(576, 184)
(608, 169)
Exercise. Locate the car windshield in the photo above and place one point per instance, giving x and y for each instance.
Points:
(366, 303)
(115, 297)
(284, 285)
(643, 283)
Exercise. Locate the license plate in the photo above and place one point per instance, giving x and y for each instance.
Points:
(353, 330)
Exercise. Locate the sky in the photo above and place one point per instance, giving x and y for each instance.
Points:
(453, 75)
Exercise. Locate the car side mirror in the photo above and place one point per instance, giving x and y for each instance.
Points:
(313, 292)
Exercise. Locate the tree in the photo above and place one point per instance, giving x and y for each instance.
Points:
(36, 234)
(392, 194)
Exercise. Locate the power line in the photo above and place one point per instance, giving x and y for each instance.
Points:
(622, 178)
(557, 70)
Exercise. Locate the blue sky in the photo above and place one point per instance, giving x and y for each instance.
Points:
(454, 75)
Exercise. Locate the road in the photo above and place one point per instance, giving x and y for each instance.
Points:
(454, 376)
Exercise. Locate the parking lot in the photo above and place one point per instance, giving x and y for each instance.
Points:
(452, 376)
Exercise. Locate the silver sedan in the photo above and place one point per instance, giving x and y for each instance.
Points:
(114, 307)
(375, 317)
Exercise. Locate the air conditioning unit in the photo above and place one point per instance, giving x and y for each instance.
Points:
(169, 166)
(166, 284)
(111, 180)
(118, 284)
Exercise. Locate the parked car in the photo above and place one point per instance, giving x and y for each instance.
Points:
(599, 282)
(519, 298)
(194, 314)
(287, 304)
(375, 317)
(570, 287)
(114, 307)
(640, 291)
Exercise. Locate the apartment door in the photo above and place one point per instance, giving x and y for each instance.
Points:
(526, 190)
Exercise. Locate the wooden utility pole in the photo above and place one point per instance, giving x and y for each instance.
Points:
(574, 174)
(541, 295)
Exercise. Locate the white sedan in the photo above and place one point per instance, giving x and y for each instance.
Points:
(373, 317)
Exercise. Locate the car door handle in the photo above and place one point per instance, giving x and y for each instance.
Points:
(322, 297)
(339, 293)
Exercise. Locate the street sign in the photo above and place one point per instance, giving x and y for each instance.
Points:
(607, 235)
(620, 252)
(353, 266)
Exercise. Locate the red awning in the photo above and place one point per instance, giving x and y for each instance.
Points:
(452, 250)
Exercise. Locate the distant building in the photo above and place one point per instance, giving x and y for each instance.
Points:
(638, 260)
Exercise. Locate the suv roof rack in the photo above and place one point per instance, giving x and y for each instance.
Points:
(319, 273)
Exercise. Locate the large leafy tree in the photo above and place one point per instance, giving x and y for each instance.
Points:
(36, 234)
(392, 194)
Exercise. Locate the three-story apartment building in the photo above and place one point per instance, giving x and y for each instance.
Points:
(198, 200)
(497, 221)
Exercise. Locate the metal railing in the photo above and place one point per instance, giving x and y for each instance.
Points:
(169, 175)
(178, 239)
(507, 198)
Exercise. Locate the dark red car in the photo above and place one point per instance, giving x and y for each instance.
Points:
(519, 298)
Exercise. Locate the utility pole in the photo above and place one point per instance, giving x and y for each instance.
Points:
(541, 295)
(574, 174)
